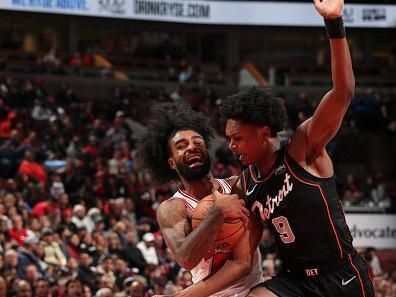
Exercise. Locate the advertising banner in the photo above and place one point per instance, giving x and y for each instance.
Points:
(211, 12)
(373, 230)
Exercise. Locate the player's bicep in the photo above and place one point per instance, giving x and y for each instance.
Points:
(173, 221)
(326, 120)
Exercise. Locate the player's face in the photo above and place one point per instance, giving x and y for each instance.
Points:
(246, 141)
(189, 156)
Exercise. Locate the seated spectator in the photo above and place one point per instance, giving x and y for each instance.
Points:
(42, 288)
(73, 288)
(53, 254)
(23, 289)
(3, 287)
(17, 231)
(146, 246)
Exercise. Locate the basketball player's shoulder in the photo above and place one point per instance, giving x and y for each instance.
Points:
(173, 207)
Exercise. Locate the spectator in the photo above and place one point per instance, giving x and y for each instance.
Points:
(74, 288)
(146, 246)
(23, 289)
(3, 287)
(42, 288)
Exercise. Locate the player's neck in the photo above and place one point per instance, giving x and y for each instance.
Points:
(266, 164)
(198, 188)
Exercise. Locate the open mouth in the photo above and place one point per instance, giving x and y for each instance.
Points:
(194, 160)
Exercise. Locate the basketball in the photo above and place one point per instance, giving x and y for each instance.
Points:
(229, 234)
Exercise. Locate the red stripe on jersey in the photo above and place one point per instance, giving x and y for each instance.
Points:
(223, 190)
(324, 201)
(358, 274)
(255, 179)
(188, 196)
(228, 184)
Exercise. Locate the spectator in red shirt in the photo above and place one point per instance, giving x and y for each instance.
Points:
(46, 207)
(17, 231)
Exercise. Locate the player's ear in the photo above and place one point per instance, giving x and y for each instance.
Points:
(172, 163)
(264, 132)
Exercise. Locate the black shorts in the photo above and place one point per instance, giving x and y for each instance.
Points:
(349, 280)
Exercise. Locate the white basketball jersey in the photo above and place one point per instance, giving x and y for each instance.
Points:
(203, 269)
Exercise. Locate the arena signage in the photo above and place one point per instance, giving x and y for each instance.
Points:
(372, 230)
(211, 12)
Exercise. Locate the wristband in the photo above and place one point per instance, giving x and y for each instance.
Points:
(335, 28)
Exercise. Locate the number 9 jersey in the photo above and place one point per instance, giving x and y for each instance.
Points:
(306, 218)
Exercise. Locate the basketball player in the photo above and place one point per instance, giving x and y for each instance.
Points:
(175, 148)
(291, 187)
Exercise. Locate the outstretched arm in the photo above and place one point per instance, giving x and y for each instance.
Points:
(316, 132)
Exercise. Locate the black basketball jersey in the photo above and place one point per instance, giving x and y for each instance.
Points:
(303, 212)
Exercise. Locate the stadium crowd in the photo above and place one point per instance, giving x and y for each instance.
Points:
(77, 211)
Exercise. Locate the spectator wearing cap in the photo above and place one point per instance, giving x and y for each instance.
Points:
(26, 256)
(146, 246)
(90, 219)
(79, 219)
(52, 252)
(134, 286)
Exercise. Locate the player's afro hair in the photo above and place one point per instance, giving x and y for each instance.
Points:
(256, 106)
(166, 120)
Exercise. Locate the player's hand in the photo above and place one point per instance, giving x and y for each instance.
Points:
(329, 9)
(231, 206)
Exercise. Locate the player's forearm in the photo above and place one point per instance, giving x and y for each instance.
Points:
(197, 243)
(342, 71)
(341, 62)
(231, 272)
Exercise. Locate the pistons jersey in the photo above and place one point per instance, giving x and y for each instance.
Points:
(304, 214)
(213, 259)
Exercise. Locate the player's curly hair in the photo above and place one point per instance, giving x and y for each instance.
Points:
(166, 120)
(256, 106)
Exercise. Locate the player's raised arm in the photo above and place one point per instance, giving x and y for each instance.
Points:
(327, 119)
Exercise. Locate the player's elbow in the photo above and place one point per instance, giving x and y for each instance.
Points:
(187, 263)
(244, 268)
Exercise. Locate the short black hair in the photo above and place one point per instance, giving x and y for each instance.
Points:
(256, 106)
(166, 120)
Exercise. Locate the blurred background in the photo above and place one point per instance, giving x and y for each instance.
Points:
(77, 81)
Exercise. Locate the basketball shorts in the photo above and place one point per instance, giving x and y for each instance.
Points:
(349, 280)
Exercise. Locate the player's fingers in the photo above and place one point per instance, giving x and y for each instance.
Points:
(242, 202)
(244, 217)
(215, 194)
(246, 211)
